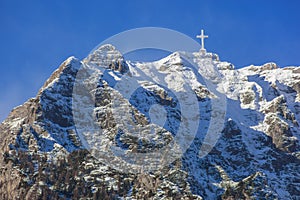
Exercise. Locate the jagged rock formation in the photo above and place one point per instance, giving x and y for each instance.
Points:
(257, 156)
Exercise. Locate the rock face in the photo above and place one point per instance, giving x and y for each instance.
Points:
(44, 154)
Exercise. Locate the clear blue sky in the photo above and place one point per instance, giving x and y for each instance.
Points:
(36, 36)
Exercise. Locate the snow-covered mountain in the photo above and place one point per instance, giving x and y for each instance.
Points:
(188, 126)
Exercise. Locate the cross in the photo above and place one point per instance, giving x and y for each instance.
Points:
(202, 37)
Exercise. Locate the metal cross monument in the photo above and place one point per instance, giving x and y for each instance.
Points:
(202, 37)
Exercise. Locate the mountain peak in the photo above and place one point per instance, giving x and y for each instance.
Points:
(69, 66)
(256, 154)
(104, 55)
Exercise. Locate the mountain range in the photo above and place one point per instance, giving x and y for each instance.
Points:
(188, 126)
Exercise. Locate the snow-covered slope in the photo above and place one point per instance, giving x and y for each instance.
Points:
(186, 126)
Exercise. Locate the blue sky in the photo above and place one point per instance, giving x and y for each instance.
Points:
(36, 36)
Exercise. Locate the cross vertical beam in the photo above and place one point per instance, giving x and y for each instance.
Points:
(202, 37)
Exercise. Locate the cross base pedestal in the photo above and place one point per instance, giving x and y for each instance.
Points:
(203, 51)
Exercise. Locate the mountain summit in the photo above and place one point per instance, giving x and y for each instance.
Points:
(188, 126)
